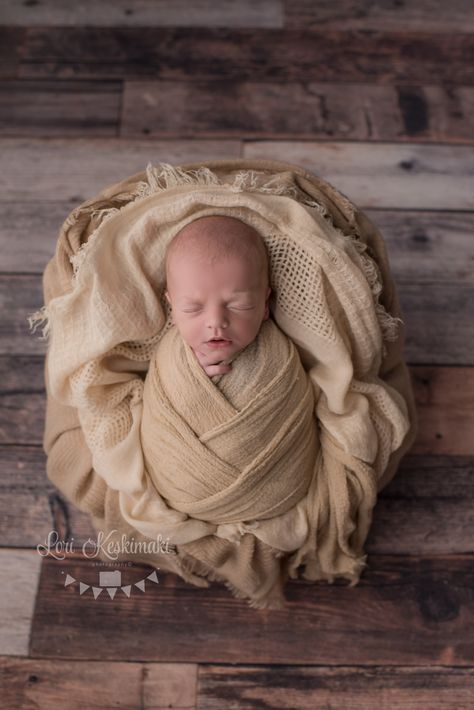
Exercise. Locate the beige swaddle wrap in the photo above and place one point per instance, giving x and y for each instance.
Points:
(237, 447)
(333, 298)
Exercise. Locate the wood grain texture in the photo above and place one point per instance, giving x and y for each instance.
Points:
(296, 110)
(46, 684)
(60, 108)
(374, 175)
(424, 15)
(20, 575)
(145, 13)
(307, 688)
(174, 621)
(246, 54)
(377, 98)
(74, 170)
(383, 175)
(11, 40)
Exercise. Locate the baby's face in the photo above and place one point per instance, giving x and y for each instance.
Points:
(226, 300)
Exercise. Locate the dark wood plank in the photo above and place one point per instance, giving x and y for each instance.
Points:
(404, 611)
(22, 400)
(444, 412)
(303, 109)
(445, 340)
(303, 687)
(60, 108)
(424, 15)
(247, 54)
(11, 41)
(423, 246)
(145, 13)
(45, 684)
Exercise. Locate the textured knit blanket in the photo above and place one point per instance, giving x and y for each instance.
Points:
(260, 471)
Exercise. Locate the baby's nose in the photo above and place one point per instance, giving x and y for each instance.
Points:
(217, 318)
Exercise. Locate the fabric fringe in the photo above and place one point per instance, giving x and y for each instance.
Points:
(164, 176)
(192, 566)
(40, 316)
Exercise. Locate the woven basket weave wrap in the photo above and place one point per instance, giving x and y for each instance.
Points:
(333, 296)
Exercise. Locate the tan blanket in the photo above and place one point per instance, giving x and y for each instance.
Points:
(333, 299)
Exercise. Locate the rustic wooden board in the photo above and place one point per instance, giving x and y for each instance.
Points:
(411, 176)
(444, 417)
(405, 610)
(60, 108)
(246, 54)
(45, 684)
(74, 170)
(145, 13)
(20, 575)
(302, 109)
(373, 175)
(10, 41)
(423, 246)
(427, 247)
(306, 688)
(424, 15)
(445, 340)
(29, 231)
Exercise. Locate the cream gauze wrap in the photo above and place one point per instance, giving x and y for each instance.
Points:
(272, 466)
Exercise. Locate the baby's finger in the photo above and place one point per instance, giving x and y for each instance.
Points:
(219, 369)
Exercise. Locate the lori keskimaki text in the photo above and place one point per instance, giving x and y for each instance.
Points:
(111, 547)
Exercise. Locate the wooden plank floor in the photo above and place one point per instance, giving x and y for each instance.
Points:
(376, 97)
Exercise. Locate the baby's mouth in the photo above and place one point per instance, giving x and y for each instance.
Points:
(218, 341)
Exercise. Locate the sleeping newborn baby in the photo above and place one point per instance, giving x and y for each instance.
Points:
(228, 431)
(218, 287)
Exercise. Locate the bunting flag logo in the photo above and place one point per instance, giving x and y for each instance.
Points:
(111, 581)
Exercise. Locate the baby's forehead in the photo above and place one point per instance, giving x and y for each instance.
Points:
(213, 237)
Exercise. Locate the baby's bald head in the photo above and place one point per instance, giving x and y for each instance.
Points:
(218, 237)
(218, 285)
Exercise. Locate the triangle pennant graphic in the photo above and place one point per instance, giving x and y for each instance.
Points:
(83, 587)
(153, 578)
(140, 585)
(69, 580)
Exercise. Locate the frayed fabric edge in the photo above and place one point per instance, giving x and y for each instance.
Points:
(191, 566)
(164, 176)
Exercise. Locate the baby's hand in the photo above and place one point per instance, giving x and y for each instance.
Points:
(219, 369)
(212, 368)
